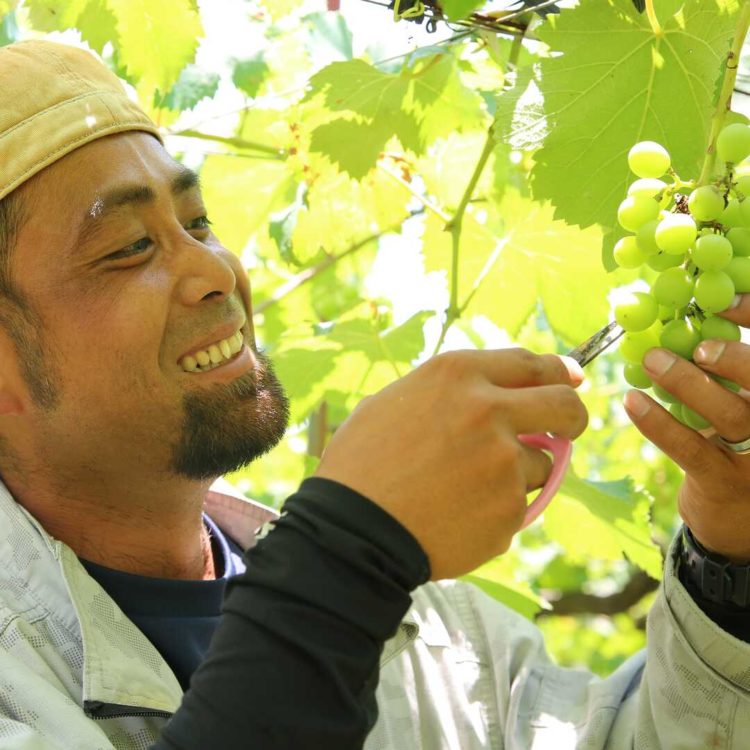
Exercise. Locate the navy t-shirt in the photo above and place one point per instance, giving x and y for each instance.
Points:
(179, 617)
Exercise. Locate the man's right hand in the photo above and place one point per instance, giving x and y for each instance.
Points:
(439, 450)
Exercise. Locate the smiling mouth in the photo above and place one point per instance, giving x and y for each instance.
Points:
(213, 356)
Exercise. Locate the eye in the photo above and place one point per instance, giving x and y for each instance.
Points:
(202, 223)
(140, 246)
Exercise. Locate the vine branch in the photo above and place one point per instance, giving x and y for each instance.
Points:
(310, 273)
(725, 96)
(454, 226)
(578, 603)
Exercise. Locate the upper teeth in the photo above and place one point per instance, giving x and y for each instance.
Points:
(214, 355)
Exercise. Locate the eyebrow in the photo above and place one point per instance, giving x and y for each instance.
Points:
(106, 204)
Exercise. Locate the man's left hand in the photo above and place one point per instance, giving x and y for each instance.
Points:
(714, 499)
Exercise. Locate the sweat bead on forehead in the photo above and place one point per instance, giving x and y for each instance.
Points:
(55, 99)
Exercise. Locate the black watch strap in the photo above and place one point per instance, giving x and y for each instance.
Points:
(714, 577)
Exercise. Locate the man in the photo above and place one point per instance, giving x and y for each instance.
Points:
(129, 381)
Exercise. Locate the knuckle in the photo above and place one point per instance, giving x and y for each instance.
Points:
(696, 455)
(733, 419)
(533, 365)
(449, 365)
(572, 408)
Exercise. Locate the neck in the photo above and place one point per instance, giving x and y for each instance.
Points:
(155, 529)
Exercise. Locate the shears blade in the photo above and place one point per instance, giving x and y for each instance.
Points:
(596, 344)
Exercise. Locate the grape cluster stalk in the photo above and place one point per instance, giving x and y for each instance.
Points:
(697, 238)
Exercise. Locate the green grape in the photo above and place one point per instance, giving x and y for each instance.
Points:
(627, 254)
(636, 375)
(743, 185)
(675, 409)
(648, 159)
(740, 239)
(714, 291)
(648, 187)
(739, 271)
(733, 143)
(712, 252)
(728, 384)
(733, 116)
(635, 211)
(720, 328)
(646, 239)
(676, 233)
(664, 395)
(673, 287)
(732, 215)
(662, 261)
(745, 210)
(706, 203)
(633, 346)
(637, 311)
(693, 419)
(680, 337)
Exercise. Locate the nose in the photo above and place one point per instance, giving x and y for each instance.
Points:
(205, 271)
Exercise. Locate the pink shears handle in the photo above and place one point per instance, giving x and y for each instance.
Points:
(561, 450)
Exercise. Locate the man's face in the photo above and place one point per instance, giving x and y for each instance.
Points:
(129, 291)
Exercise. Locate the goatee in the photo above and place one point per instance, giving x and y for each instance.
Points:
(230, 425)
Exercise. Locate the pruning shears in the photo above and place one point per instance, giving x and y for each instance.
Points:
(562, 448)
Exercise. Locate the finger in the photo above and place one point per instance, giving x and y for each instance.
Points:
(728, 359)
(536, 465)
(689, 450)
(548, 408)
(725, 410)
(739, 312)
(515, 368)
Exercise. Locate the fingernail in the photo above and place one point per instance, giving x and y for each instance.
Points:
(575, 370)
(658, 361)
(636, 403)
(708, 352)
(735, 302)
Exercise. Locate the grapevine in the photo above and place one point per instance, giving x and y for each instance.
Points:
(697, 237)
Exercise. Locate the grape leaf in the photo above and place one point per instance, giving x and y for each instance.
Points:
(249, 74)
(458, 9)
(611, 83)
(416, 106)
(193, 85)
(511, 263)
(157, 40)
(54, 15)
(355, 358)
(241, 194)
(329, 36)
(497, 579)
(98, 25)
(603, 520)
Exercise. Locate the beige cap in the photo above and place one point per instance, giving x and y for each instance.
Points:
(53, 99)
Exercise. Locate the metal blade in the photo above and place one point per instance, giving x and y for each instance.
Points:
(594, 346)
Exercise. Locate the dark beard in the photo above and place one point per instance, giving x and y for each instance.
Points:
(232, 424)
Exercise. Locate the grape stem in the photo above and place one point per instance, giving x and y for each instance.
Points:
(725, 97)
(652, 19)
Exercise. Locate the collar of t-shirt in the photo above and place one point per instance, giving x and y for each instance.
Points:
(179, 617)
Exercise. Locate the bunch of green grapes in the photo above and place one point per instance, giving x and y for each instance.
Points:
(697, 239)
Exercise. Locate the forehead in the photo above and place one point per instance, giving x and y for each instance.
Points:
(77, 180)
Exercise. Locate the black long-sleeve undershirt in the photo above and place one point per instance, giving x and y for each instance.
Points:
(294, 661)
